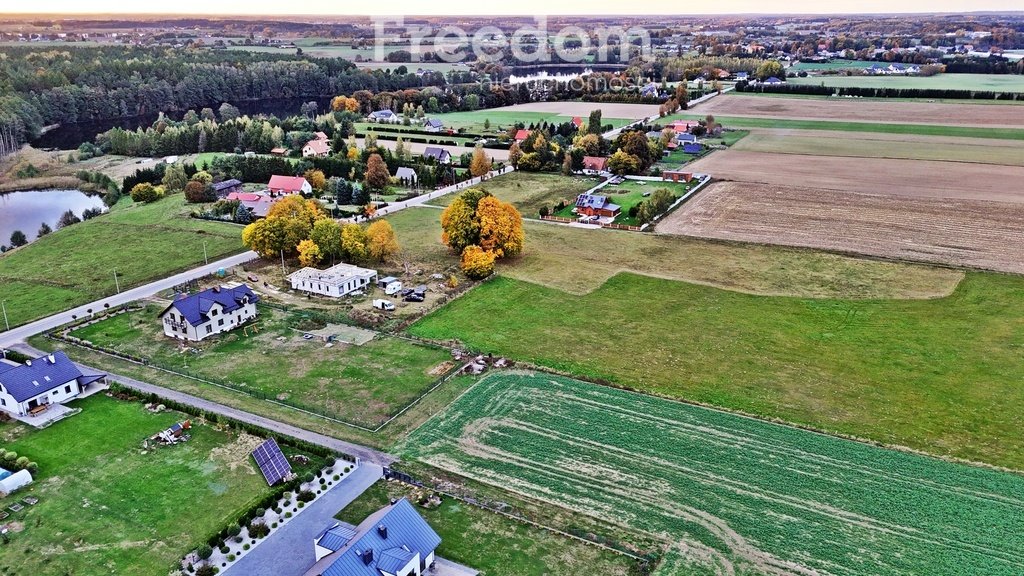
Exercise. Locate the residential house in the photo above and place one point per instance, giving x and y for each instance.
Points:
(279, 151)
(521, 135)
(51, 379)
(741, 76)
(685, 137)
(394, 541)
(440, 155)
(773, 81)
(680, 126)
(289, 185)
(226, 187)
(257, 204)
(595, 164)
(433, 125)
(386, 116)
(596, 205)
(336, 281)
(654, 134)
(406, 175)
(212, 311)
(319, 147)
(577, 122)
(650, 90)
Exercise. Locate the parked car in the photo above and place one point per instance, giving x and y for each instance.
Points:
(406, 292)
(414, 297)
(385, 305)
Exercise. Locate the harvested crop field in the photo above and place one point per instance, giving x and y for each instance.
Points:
(728, 494)
(958, 231)
(920, 178)
(857, 110)
(881, 145)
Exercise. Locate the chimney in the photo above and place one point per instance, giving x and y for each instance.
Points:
(383, 531)
(216, 289)
(366, 555)
(51, 359)
(28, 362)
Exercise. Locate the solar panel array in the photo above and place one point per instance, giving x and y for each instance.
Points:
(272, 462)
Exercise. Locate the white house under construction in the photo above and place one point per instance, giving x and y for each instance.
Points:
(335, 281)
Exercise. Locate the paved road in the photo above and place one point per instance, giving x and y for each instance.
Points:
(289, 550)
(364, 453)
(10, 337)
(612, 134)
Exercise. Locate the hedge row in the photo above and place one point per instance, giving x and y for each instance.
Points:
(866, 92)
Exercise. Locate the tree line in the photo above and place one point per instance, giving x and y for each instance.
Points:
(869, 92)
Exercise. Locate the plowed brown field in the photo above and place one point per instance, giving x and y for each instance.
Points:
(861, 110)
(956, 229)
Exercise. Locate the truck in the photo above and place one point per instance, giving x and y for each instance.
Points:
(385, 305)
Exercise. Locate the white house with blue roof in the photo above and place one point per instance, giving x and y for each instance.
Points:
(212, 311)
(52, 379)
(394, 541)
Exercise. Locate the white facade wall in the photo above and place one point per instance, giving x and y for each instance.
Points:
(175, 326)
(62, 393)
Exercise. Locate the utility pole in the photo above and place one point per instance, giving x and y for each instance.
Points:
(117, 284)
(205, 257)
(283, 271)
(4, 308)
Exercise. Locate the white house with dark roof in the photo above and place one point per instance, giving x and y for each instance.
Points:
(212, 311)
(336, 281)
(433, 125)
(394, 541)
(441, 155)
(386, 116)
(406, 175)
(51, 379)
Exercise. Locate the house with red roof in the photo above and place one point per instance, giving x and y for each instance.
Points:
(289, 185)
(522, 135)
(595, 163)
(319, 147)
(577, 122)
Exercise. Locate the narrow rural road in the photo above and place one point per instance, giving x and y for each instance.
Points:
(20, 333)
(364, 453)
(612, 134)
(423, 198)
(289, 550)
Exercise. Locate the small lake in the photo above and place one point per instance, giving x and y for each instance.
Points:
(25, 211)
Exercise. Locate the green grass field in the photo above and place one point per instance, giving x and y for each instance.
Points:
(835, 65)
(528, 191)
(502, 118)
(629, 194)
(108, 507)
(579, 261)
(885, 128)
(493, 544)
(978, 82)
(938, 375)
(362, 385)
(76, 265)
(728, 494)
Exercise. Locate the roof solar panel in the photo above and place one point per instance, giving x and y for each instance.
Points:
(272, 461)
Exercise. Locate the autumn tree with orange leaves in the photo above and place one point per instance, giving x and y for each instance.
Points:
(481, 228)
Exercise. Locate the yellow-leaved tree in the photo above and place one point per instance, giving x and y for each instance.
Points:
(309, 253)
(501, 227)
(381, 241)
(480, 164)
(477, 263)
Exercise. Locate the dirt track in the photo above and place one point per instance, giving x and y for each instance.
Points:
(859, 110)
(962, 231)
(908, 178)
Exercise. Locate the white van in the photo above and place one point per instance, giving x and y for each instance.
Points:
(393, 288)
(385, 305)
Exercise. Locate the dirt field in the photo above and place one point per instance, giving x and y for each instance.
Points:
(920, 178)
(879, 145)
(862, 111)
(582, 109)
(960, 231)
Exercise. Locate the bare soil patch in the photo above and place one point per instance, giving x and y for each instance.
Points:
(902, 112)
(957, 231)
(887, 176)
(881, 145)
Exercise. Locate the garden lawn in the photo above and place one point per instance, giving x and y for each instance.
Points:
(108, 507)
(362, 385)
(728, 494)
(940, 375)
(493, 544)
(631, 193)
(578, 261)
(528, 191)
(76, 264)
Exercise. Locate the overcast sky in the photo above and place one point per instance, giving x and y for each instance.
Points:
(524, 7)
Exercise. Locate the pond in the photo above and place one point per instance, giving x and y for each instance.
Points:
(26, 211)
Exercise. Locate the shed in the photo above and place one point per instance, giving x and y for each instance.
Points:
(384, 282)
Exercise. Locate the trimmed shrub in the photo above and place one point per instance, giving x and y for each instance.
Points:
(204, 552)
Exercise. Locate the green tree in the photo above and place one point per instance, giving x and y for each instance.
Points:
(18, 238)
(326, 234)
(174, 179)
(354, 243)
(770, 68)
(594, 122)
(44, 229)
(623, 163)
(146, 192)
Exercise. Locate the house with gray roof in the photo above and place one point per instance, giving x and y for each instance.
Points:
(405, 175)
(51, 379)
(394, 541)
(440, 154)
(212, 311)
(383, 116)
(433, 125)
